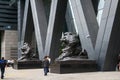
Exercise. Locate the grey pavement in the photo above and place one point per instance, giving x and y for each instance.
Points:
(37, 74)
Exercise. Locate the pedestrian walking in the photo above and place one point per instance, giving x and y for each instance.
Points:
(49, 61)
(3, 63)
(46, 65)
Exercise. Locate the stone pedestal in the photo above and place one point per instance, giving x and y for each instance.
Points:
(73, 66)
(27, 64)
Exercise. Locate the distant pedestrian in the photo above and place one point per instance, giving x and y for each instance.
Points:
(49, 61)
(3, 63)
(46, 65)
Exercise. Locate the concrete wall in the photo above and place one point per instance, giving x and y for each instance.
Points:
(9, 44)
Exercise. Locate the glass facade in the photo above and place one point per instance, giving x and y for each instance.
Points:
(8, 15)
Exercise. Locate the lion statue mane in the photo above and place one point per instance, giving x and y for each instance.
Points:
(71, 46)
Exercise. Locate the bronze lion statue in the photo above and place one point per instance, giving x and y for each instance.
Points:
(71, 46)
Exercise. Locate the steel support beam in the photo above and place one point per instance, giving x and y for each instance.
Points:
(104, 34)
(40, 24)
(21, 5)
(55, 27)
(24, 21)
(50, 26)
(81, 21)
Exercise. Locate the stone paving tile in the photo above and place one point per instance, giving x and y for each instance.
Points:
(37, 74)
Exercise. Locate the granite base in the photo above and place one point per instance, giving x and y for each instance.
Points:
(27, 64)
(73, 66)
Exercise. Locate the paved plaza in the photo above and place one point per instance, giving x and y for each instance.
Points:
(37, 74)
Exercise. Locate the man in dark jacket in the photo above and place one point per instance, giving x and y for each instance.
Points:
(2, 66)
(46, 65)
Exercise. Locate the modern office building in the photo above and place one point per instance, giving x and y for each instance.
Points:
(8, 29)
(41, 23)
